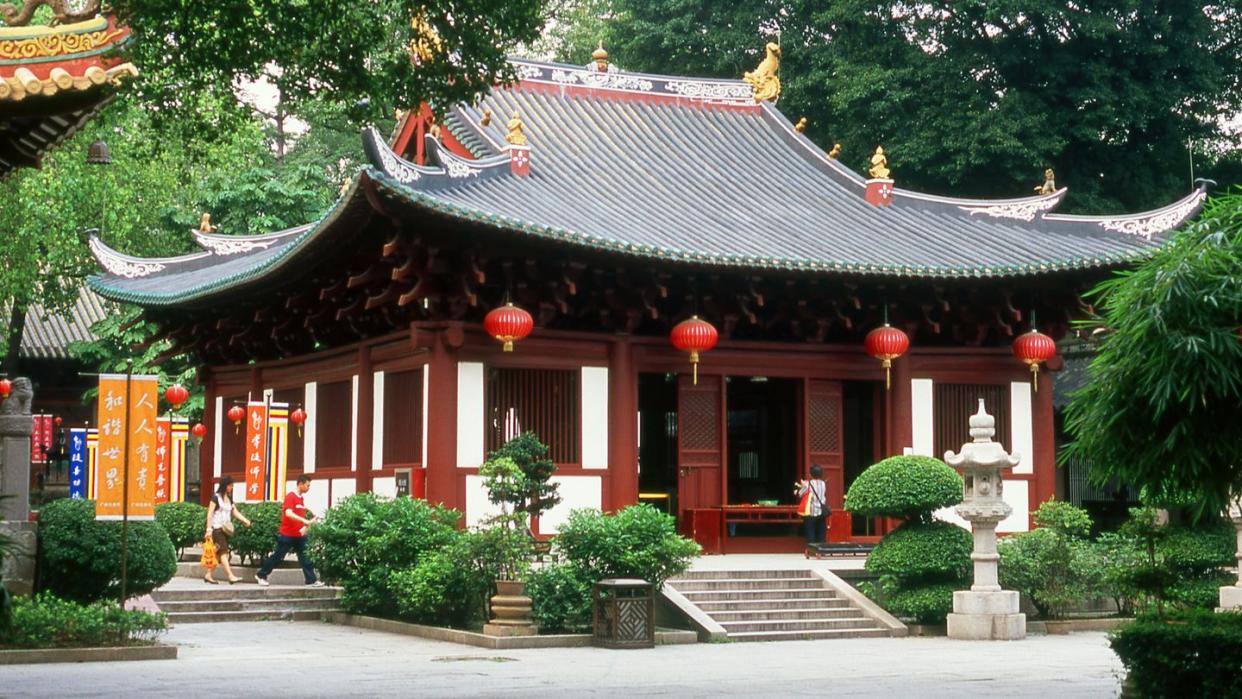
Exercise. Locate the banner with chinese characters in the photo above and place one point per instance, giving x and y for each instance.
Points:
(41, 438)
(277, 450)
(79, 474)
(125, 424)
(176, 459)
(256, 451)
(163, 440)
(92, 459)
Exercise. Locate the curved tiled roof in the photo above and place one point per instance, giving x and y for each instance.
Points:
(691, 172)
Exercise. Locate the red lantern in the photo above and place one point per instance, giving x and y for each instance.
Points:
(1034, 348)
(6, 388)
(508, 324)
(694, 335)
(199, 430)
(886, 343)
(176, 394)
(58, 421)
(298, 417)
(237, 414)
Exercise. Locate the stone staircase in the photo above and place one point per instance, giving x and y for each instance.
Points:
(200, 603)
(777, 605)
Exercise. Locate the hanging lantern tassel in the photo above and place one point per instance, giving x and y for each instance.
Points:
(694, 335)
(1034, 348)
(886, 343)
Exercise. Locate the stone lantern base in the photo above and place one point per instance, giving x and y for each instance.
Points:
(1231, 597)
(986, 616)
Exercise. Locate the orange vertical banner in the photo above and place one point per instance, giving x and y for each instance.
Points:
(143, 413)
(256, 450)
(109, 456)
(163, 441)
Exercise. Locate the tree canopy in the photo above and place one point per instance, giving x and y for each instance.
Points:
(1164, 402)
(968, 98)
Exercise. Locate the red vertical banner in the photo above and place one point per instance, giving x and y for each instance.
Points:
(256, 450)
(109, 457)
(143, 413)
(163, 440)
(41, 438)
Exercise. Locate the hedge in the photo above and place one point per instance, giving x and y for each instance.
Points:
(1189, 654)
(46, 621)
(906, 487)
(917, 550)
(183, 521)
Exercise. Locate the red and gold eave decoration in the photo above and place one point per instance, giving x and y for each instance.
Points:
(694, 335)
(508, 324)
(237, 414)
(886, 343)
(1034, 348)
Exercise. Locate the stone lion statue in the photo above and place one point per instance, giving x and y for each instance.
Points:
(18, 402)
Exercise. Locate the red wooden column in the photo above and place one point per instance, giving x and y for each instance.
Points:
(366, 420)
(622, 425)
(441, 421)
(1043, 425)
(900, 414)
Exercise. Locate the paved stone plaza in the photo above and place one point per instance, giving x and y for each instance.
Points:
(310, 659)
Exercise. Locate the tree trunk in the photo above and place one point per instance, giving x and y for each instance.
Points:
(13, 341)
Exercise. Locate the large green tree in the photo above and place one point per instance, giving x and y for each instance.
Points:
(1164, 404)
(967, 97)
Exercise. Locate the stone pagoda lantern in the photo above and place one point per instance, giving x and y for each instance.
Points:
(985, 611)
(1231, 595)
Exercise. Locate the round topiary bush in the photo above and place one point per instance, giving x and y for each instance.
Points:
(184, 522)
(918, 550)
(80, 558)
(926, 604)
(907, 487)
(254, 543)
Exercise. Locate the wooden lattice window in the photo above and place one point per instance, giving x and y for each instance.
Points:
(334, 425)
(544, 401)
(700, 429)
(956, 402)
(403, 418)
(825, 423)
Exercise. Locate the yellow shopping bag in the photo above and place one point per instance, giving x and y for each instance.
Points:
(209, 554)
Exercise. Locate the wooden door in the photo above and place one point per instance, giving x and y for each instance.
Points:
(825, 427)
(700, 444)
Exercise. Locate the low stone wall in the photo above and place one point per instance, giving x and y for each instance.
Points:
(470, 638)
(87, 655)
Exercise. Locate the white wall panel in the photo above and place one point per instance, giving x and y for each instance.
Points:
(385, 486)
(342, 488)
(217, 438)
(426, 385)
(1017, 494)
(377, 421)
(310, 396)
(316, 498)
(469, 414)
(594, 417)
(577, 492)
(922, 409)
(478, 507)
(353, 426)
(1022, 425)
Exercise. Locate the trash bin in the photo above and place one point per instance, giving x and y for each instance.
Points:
(624, 611)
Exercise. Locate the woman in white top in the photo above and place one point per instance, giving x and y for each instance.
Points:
(220, 516)
(814, 524)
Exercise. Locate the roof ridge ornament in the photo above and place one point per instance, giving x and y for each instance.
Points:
(599, 61)
(205, 225)
(516, 136)
(1050, 183)
(879, 191)
(765, 79)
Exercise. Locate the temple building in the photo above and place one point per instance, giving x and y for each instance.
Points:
(612, 206)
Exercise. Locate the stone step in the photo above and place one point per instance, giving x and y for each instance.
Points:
(853, 622)
(245, 605)
(750, 584)
(246, 592)
(796, 613)
(720, 595)
(728, 574)
(777, 604)
(286, 574)
(252, 615)
(808, 635)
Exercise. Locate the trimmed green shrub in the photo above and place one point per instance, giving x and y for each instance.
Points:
(636, 542)
(254, 543)
(80, 558)
(365, 539)
(925, 604)
(444, 588)
(184, 522)
(1189, 654)
(916, 551)
(561, 597)
(46, 621)
(1054, 566)
(906, 487)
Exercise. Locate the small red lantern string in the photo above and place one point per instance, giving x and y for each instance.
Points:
(237, 414)
(694, 335)
(886, 343)
(508, 324)
(298, 417)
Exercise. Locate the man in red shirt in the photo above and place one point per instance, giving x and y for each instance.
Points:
(292, 535)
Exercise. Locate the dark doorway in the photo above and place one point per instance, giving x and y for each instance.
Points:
(763, 440)
(859, 403)
(657, 441)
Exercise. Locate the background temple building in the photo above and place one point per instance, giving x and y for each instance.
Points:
(636, 202)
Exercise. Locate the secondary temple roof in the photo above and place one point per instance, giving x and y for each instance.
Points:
(684, 171)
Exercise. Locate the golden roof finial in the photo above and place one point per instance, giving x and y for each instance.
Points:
(1050, 183)
(764, 80)
(516, 135)
(600, 56)
(801, 125)
(204, 224)
(486, 121)
(835, 152)
(426, 44)
(879, 164)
